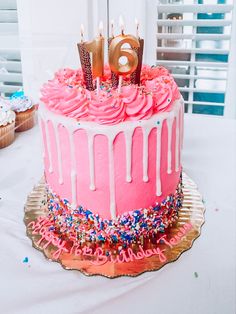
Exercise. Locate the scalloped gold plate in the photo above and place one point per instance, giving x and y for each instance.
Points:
(173, 243)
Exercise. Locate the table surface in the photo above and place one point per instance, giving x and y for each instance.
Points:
(201, 281)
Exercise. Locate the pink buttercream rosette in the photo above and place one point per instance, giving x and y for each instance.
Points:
(65, 100)
(66, 95)
(70, 77)
(149, 73)
(106, 108)
(139, 105)
(164, 92)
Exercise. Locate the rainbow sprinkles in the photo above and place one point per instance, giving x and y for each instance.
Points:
(100, 256)
(83, 225)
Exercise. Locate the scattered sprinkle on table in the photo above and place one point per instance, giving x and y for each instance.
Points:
(25, 260)
(196, 274)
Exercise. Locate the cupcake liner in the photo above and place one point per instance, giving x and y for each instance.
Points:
(25, 120)
(7, 134)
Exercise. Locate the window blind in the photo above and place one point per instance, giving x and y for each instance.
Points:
(10, 60)
(193, 42)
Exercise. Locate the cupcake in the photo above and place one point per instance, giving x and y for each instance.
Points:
(25, 111)
(7, 123)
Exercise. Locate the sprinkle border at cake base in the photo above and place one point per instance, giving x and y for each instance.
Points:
(125, 257)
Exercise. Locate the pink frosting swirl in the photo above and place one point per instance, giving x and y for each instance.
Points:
(75, 105)
(65, 100)
(149, 73)
(139, 105)
(70, 77)
(162, 93)
(129, 93)
(175, 89)
(66, 95)
(52, 94)
(106, 108)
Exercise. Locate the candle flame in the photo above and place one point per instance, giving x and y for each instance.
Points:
(121, 24)
(100, 27)
(112, 28)
(137, 26)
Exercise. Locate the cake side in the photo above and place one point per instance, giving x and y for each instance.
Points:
(112, 170)
(122, 154)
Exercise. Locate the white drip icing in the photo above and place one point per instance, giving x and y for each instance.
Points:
(128, 143)
(111, 178)
(169, 140)
(50, 169)
(181, 110)
(91, 160)
(73, 173)
(59, 157)
(177, 142)
(127, 128)
(146, 132)
(181, 125)
(158, 160)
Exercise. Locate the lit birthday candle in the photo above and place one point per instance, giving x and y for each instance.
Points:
(96, 47)
(135, 76)
(116, 52)
(114, 76)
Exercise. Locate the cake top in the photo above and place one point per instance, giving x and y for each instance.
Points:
(6, 114)
(66, 94)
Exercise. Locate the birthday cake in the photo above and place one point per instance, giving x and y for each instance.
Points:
(112, 158)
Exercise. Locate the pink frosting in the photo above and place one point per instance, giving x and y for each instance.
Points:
(149, 73)
(175, 89)
(66, 95)
(138, 105)
(76, 105)
(65, 100)
(52, 94)
(106, 108)
(107, 73)
(162, 93)
(70, 77)
(129, 93)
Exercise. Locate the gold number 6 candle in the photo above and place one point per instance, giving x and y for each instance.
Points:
(116, 52)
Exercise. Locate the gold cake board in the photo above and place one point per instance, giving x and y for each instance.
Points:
(175, 241)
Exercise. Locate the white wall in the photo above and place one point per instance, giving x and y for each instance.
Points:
(50, 29)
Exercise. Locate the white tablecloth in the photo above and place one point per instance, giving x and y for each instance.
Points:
(201, 281)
